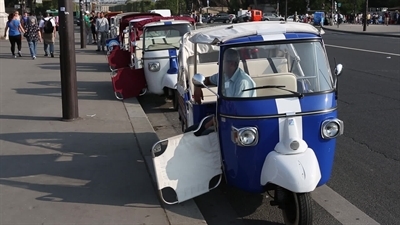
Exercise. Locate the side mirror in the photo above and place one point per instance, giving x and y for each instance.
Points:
(338, 69)
(198, 80)
(125, 31)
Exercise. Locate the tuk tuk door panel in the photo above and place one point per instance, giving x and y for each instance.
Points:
(187, 164)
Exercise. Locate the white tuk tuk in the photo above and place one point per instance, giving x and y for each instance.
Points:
(161, 41)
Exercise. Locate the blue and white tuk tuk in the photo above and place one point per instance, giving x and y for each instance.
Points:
(279, 139)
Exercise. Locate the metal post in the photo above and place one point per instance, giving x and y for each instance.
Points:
(365, 16)
(286, 11)
(69, 93)
(83, 26)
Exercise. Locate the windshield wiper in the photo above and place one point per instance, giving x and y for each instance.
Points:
(281, 87)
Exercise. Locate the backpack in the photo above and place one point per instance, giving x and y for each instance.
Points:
(48, 26)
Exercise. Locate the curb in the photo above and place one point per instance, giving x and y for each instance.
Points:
(179, 214)
(362, 33)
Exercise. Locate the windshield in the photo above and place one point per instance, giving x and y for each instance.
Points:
(164, 37)
(273, 70)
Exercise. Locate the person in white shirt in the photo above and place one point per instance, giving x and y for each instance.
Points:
(48, 28)
(102, 29)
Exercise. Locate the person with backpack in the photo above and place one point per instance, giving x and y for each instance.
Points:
(48, 28)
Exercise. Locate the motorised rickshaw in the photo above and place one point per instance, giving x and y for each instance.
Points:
(130, 81)
(274, 116)
(110, 16)
(118, 54)
(161, 42)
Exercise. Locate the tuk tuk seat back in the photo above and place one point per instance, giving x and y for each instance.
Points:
(282, 79)
(267, 66)
(207, 70)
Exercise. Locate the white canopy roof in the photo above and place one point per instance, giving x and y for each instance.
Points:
(218, 34)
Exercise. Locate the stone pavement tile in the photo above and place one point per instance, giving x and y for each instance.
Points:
(89, 171)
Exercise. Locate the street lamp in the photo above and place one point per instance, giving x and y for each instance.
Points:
(22, 6)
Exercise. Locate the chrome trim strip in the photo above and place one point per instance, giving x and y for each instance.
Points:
(152, 58)
(280, 115)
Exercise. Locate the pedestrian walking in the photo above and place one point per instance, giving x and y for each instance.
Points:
(102, 28)
(32, 35)
(48, 29)
(86, 19)
(24, 19)
(14, 29)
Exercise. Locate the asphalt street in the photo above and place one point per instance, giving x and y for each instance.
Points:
(367, 159)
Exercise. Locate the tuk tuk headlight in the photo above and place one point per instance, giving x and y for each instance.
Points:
(154, 66)
(246, 136)
(332, 128)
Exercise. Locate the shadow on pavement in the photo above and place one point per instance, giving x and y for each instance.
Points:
(154, 103)
(80, 66)
(87, 90)
(92, 168)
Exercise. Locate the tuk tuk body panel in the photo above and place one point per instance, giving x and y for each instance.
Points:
(161, 39)
(166, 76)
(267, 106)
(243, 165)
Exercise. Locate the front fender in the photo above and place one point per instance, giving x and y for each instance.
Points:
(298, 173)
(170, 80)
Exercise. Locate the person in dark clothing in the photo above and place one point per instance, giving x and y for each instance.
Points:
(14, 35)
(93, 19)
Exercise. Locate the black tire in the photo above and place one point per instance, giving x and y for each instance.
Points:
(175, 100)
(227, 21)
(211, 21)
(298, 208)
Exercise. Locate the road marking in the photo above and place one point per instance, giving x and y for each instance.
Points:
(345, 212)
(362, 50)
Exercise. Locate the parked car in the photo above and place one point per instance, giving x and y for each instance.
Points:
(221, 17)
(241, 19)
(272, 17)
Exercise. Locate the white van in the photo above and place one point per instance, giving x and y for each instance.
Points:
(162, 12)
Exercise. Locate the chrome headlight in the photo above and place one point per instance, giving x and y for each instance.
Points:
(154, 66)
(246, 136)
(332, 128)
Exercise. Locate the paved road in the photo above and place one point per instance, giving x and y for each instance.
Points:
(367, 159)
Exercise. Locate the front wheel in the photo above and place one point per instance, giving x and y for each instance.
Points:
(297, 208)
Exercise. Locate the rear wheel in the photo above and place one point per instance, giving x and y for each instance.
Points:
(297, 208)
(175, 100)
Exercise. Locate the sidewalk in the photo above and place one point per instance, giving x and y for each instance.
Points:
(376, 30)
(94, 170)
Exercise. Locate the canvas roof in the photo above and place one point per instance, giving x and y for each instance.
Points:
(225, 33)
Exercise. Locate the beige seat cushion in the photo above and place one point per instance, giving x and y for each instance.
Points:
(262, 66)
(282, 79)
